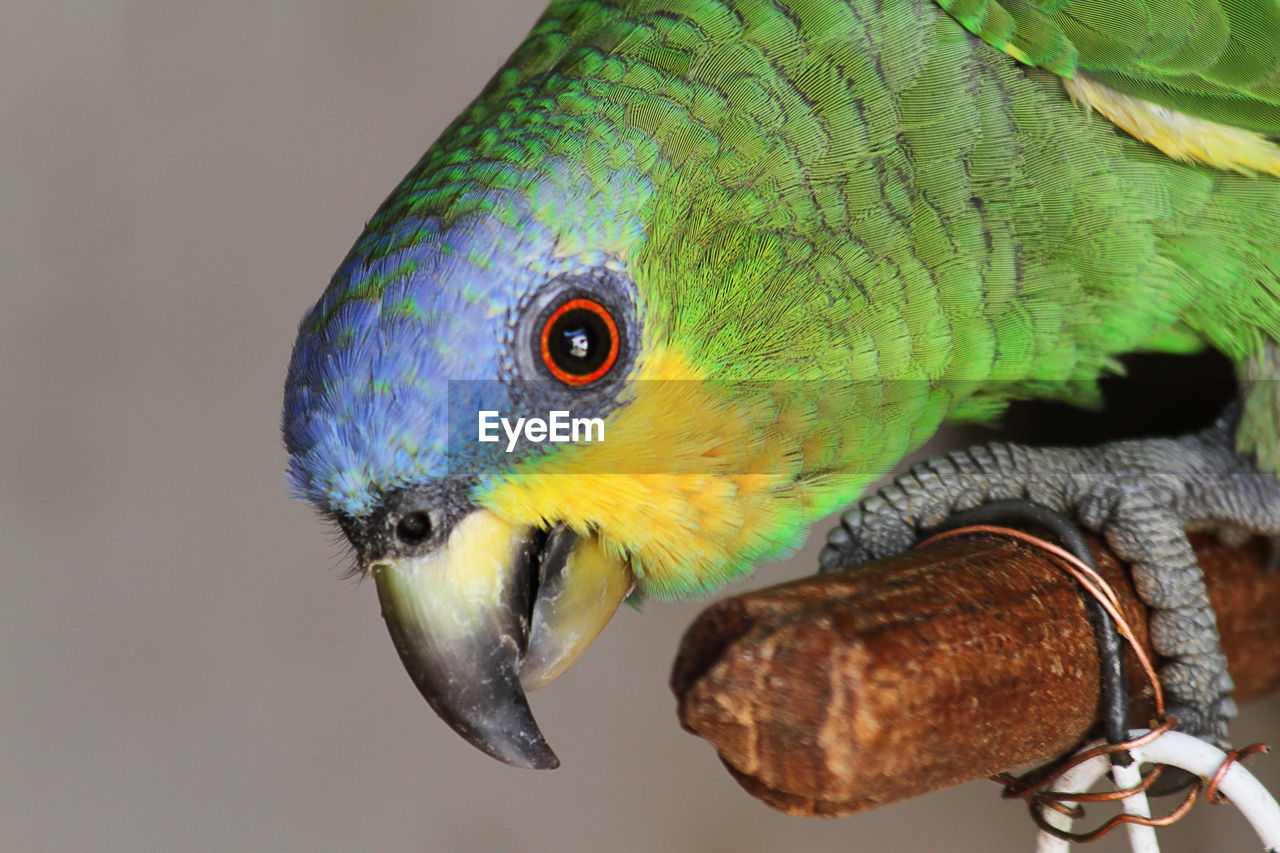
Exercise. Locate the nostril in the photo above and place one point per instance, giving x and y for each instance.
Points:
(414, 528)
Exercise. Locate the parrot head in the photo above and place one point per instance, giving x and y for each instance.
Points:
(453, 304)
(553, 265)
(497, 558)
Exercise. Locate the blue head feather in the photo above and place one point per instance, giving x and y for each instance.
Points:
(420, 302)
(367, 391)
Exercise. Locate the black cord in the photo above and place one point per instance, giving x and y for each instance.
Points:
(1115, 693)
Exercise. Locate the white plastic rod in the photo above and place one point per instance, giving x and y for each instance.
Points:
(1176, 750)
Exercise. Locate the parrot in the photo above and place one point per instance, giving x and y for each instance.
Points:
(690, 275)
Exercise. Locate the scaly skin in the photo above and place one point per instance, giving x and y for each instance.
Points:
(1142, 495)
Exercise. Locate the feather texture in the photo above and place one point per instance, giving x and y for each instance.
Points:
(1218, 60)
(880, 195)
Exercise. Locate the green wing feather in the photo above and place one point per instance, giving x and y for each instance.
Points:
(1214, 59)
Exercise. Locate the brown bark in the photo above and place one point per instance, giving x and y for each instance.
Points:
(840, 692)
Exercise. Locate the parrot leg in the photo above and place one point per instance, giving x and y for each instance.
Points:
(1141, 496)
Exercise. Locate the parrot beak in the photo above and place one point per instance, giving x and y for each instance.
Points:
(498, 609)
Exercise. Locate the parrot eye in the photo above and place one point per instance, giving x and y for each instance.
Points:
(414, 528)
(580, 342)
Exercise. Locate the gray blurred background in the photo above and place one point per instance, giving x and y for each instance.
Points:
(182, 667)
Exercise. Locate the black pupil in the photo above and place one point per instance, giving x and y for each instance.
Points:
(579, 341)
(414, 528)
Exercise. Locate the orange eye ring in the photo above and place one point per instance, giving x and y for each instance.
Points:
(580, 323)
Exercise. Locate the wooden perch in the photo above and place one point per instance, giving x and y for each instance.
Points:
(840, 692)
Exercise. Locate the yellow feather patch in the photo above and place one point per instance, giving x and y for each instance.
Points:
(1017, 54)
(1181, 136)
(694, 480)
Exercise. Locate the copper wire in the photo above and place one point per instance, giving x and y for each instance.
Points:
(1118, 820)
(1030, 786)
(1093, 583)
(1233, 755)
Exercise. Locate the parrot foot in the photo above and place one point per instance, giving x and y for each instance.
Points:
(1141, 496)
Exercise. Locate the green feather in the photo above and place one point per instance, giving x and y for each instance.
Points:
(877, 193)
(1215, 59)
